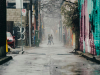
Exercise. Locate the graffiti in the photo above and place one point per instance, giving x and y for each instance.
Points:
(23, 33)
(17, 31)
(90, 26)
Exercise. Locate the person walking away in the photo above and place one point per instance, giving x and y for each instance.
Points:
(49, 42)
(52, 39)
(64, 40)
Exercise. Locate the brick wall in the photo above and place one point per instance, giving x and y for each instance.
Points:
(15, 16)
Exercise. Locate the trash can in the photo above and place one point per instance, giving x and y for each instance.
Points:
(36, 33)
(37, 43)
(36, 38)
(39, 40)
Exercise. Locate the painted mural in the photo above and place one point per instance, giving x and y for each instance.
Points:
(17, 33)
(69, 37)
(90, 26)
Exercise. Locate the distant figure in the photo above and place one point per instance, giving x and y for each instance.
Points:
(49, 41)
(52, 39)
(64, 40)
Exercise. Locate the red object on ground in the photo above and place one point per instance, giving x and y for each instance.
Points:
(11, 40)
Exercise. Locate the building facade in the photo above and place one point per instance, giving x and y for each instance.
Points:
(69, 38)
(14, 15)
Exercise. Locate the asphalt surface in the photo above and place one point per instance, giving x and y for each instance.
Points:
(49, 60)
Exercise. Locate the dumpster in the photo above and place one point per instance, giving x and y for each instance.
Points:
(39, 40)
(36, 38)
(37, 43)
(36, 33)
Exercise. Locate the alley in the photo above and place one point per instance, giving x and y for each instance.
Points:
(49, 60)
(28, 26)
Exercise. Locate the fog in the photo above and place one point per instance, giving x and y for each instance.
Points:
(51, 17)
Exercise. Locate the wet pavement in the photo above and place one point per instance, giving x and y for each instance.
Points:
(49, 60)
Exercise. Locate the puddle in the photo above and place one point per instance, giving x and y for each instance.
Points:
(38, 53)
(64, 54)
(46, 65)
(17, 52)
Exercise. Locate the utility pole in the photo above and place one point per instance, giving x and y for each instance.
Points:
(36, 8)
(60, 29)
(31, 18)
(30, 23)
(61, 21)
(29, 30)
(21, 24)
(40, 28)
(40, 20)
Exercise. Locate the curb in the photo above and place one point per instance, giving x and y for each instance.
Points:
(5, 59)
(88, 57)
(15, 52)
(98, 61)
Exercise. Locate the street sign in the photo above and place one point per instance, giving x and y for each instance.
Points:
(24, 12)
